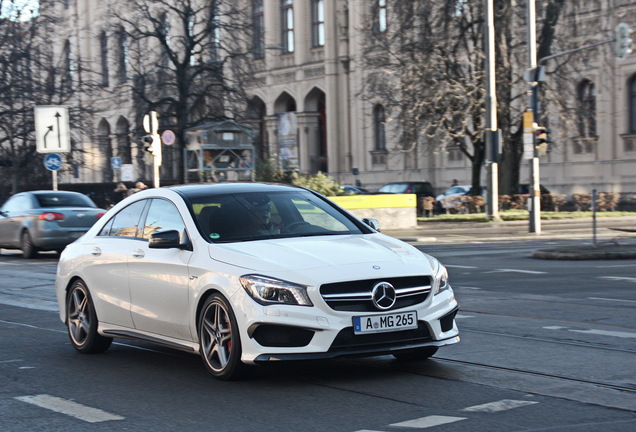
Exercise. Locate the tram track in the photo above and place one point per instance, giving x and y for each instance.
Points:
(605, 385)
(544, 318)
(554, 341)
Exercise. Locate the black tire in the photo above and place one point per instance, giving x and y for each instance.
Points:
(219, 340)
(28, 248)
(81, 321)
(416, 354)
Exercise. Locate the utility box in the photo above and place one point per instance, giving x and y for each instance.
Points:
(218, 152)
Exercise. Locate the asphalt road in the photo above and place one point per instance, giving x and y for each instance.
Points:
(546, 345)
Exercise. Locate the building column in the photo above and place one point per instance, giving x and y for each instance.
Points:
(311, 160)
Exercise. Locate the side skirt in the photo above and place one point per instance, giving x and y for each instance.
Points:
(154, 340)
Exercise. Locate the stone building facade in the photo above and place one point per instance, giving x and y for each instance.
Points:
(307, 113)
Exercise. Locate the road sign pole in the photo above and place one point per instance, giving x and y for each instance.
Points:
(54, 180)
(155, 170)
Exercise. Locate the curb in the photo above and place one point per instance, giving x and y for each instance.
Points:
(586, 253)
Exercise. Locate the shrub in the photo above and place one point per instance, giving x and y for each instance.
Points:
(607, 201)
(559, 201)
(582, 202)
(269, 171)
(321, 183)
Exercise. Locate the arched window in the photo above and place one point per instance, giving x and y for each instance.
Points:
(287, 25)
(123, 56)
(632, 105)
(215, 33)
(191, 37)
(379, 16)
(165, 35)
(586, 109)
(379, 120)
(103, 46)
(258, 29)
(317, 23)
(69, 66)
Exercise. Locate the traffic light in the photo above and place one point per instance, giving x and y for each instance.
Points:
(623, 41)
(542, 140)
(146, 140)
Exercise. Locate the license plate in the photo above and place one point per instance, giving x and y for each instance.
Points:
(385, 323)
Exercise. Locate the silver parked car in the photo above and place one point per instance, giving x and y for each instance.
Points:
(45, 220)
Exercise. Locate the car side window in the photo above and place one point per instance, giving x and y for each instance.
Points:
(162, 216)
(124, 223)
(17, 203)
(106, 229)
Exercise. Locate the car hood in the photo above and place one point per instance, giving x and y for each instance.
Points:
(332, 252)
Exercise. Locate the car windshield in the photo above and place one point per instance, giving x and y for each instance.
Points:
(63, 200)
(456, 190)
(394, 188)
(265, 215)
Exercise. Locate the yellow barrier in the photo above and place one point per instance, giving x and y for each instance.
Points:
(351, 202)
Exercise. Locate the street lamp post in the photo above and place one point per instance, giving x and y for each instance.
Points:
(491, 135)
(534, 192)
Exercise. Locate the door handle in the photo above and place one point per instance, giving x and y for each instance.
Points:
(138, 253)
(96, 251)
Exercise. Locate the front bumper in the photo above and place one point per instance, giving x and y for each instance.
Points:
(302, 333)
(57, 238)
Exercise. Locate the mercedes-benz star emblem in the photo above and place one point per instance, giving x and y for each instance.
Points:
(383, 295)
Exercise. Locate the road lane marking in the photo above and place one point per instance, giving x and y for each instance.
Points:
(619, 278)
(468, 288)
(611, 299)
(502, 405)
(29, 303)
(73, 409)
(461, 316)
(459, 266)
(429, 421)
(625, 335)
(517, 271)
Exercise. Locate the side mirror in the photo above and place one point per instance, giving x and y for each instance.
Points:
(166, 240)
(373, 223)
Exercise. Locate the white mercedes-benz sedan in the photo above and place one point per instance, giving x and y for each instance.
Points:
(248, 273)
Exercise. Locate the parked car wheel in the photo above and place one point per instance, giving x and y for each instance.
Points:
(219, 340)
(416, 354)
(81, 321)
(28, 248)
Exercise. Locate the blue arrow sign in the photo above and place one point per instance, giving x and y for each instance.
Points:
(115, 163)
(53, 161)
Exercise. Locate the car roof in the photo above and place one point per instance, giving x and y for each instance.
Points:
(408, 182)
(231, 188)
(46, 191)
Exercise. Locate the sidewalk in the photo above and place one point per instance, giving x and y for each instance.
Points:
(610, 242)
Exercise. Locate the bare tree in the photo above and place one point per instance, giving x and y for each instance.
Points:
(188, 59)
(29, 76)
(429, 70)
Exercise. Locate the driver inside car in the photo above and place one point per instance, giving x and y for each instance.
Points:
(261, 208)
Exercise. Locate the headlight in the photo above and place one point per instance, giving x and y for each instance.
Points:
(268, 291)
(440, 276)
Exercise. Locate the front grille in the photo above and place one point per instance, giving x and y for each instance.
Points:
(347, 340)
(355, 296)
